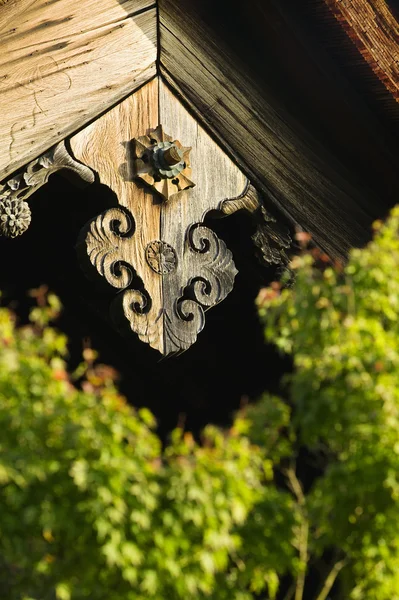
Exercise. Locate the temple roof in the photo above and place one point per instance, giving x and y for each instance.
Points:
(303, 96)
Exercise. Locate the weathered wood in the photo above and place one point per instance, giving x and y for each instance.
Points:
(215, 175)
(105, 145)
(287, 164)
(334, 93)
(37, 173)
(271, 239)
(206, 269)
(15, 214)
(183, 267)
(64, 63)
(249, 200)
(374, 30)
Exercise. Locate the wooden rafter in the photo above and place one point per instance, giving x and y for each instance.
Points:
(312, 159)
(281, 158)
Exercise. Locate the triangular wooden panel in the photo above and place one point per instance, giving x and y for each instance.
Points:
(181, 266)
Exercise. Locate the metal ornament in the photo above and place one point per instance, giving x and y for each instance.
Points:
(162, 163)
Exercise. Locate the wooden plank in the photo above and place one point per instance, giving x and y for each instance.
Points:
(374, 30)
(289, 165)
(215, 175)
(64, 63)
(216, 179)
(105, 147)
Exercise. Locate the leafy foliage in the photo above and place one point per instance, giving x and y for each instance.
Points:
(341, 326)
(91, 507)
(298, 491)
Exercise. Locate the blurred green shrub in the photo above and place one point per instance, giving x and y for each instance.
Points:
(91, 507)
(300, 493)
(341, 326)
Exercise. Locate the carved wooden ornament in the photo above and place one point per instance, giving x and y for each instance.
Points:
(153, 247)
(15, 215)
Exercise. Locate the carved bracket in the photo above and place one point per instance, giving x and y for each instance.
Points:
(200, 278)
(15, 214)
(169, 268)
(271, 239)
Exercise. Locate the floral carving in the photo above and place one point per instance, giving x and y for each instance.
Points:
(161, 257)
(201, 277)
(271, 239)
(15, 217)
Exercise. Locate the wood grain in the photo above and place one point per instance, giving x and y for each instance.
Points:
(249, 200)
(375, 31)
(64, 63)
(288, 165)
(37, 173)
(216, 178)
(215, 175)
(183, 267)
(105, 146)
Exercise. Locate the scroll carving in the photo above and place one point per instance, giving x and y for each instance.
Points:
(202, 278)
(107, 249)
(168, 268)
(210, 272)
(144, 318)
(191, 275)
(109, 245)
(15, 213)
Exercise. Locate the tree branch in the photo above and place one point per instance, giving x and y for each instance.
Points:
(331, 577)
(303, 537)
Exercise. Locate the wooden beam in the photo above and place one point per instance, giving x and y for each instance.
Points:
(64, 63)
(291, 168)
(374, 30)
